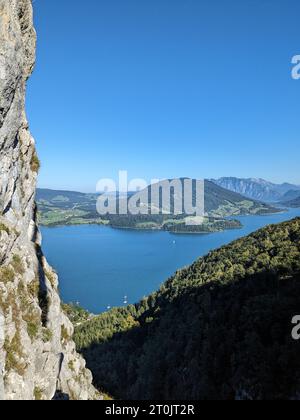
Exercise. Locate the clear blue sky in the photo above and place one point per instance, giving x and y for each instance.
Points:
(165, 88)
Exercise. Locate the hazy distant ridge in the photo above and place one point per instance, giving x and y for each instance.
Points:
(257, 189)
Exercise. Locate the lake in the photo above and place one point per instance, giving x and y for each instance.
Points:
(98, 266)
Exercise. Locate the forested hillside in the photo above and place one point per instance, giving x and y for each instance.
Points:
(219, 329)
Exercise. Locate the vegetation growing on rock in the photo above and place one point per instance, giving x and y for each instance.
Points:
(35, 163)
(4, 228)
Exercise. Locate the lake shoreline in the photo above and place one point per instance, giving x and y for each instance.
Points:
(161, 229)
(98, 267)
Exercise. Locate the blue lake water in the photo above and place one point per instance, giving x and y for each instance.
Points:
(98, 265)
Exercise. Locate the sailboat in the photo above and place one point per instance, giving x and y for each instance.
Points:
(125, 300)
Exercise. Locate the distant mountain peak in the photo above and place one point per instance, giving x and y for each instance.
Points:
(256, 188)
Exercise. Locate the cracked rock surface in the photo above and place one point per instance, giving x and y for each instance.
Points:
(38, 359)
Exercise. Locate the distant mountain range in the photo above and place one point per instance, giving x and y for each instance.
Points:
(292, 203)
(290, 195)
(260, 189)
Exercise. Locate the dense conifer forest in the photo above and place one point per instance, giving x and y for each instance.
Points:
(219, 329)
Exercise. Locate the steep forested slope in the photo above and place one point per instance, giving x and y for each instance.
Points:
(219, 329)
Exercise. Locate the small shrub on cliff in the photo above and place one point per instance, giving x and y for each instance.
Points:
(35, 163)
(34, 287)
(47, 335)
(4, 228)
(51, 277)
(33, 322)
(71, 365)
(32, 329)
(8, 304)
(106, 397)
(38, 394)
(17, 264)
(13, 351)
(7, 275)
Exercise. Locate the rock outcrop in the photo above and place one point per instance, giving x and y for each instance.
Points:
(38, 359)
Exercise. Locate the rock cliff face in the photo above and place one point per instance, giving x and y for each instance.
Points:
(37, 355)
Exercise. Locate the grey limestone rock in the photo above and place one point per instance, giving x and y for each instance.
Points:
(38, 359)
